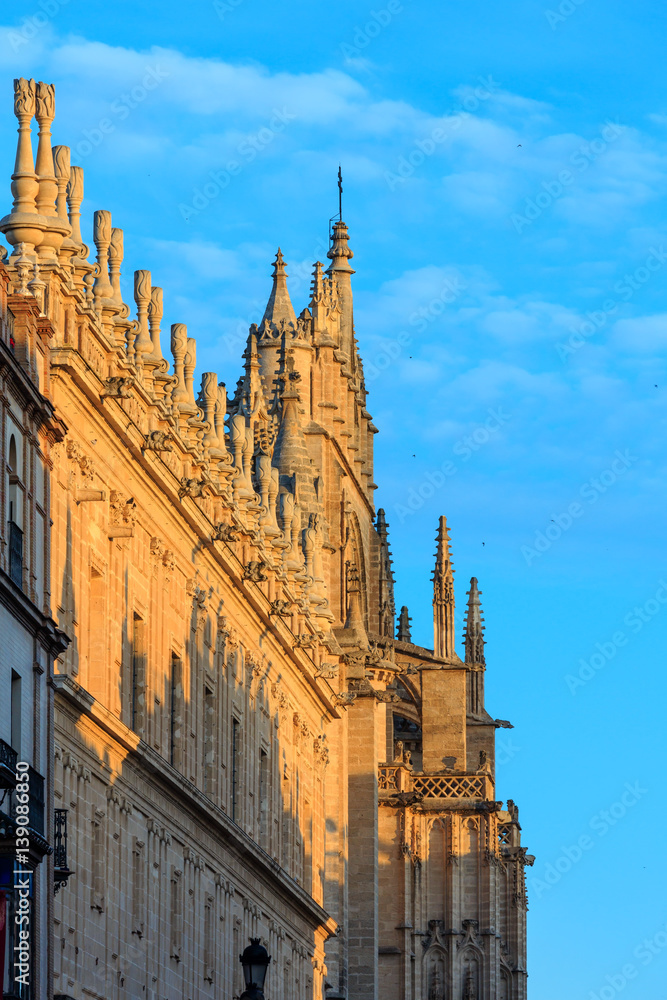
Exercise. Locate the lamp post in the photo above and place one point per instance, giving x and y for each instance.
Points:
(255, 961)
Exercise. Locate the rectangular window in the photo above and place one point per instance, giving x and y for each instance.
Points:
(15, 552)
(176, 713)
(209, 743)
(264, 799)
(138, 887)
(98, 862)
(235, 755)
(16, 712)
(176, 949)
(209, 941)
(97, 638)
(138, 675)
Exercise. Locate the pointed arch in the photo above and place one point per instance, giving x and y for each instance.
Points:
(354, 556)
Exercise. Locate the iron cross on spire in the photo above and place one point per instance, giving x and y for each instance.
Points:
(340, 193)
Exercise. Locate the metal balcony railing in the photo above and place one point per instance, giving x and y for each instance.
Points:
(36, 805)
(7, 765)
(61, 870)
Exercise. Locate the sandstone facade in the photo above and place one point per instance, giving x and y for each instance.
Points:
(244, 744)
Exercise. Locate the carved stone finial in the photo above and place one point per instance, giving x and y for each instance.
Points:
(56, 229)
(189, 365)
(142, 296)
(116, 253)
(279, 307)
(24, 98)
(74, 199)
(179, 343)
(443, 595)
(61, 162)
(24, 227)
(155, 313)
(102, 288)
(404, 634)
(209, 398)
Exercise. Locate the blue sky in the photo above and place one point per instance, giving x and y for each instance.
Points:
(505, 186)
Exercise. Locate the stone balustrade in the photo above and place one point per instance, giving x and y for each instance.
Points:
(399, 777)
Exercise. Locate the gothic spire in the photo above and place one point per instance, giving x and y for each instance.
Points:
(474, 627)
(279, 307)
(404, 634)
(340, 253)
(386, 579)
(290, 454)
(443, 595)
(340, 271)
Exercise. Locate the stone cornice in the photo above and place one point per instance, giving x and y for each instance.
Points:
(31, 398)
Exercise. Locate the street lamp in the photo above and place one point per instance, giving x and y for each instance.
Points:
(255, 961)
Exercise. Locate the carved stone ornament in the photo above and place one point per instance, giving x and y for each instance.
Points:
(122, 509)
(76, 455)
(321, 750)
(158, 441)
(345, 699)
(157, 548)
(327, 671)
(305, 640)
(254, 571)
(388, 697)
(435, 936)
(227, 634)
(470, 934)
(280, 607)
(225, 533)
(117, 387)
(192, 488)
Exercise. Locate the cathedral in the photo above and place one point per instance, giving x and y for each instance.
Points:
(230, 731)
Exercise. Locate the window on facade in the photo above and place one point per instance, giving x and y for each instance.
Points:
(176, 713)
(138, 675)
(236, 740)
(97, 635)
(209, 745)
(14, 518)
(16, 712)
(264, 799)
